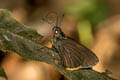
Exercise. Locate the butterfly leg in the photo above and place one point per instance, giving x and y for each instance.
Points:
(53, 46)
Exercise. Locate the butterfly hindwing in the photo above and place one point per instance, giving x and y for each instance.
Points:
(69, 59)
(75, 55)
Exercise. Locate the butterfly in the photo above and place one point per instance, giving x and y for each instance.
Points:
(74, 55)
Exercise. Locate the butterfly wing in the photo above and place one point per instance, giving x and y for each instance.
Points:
(75, 55)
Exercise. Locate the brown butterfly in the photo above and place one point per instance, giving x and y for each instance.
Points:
(73, 55)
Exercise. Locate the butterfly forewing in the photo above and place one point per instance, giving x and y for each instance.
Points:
(75, 55)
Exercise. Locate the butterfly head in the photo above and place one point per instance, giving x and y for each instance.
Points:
(57, 32)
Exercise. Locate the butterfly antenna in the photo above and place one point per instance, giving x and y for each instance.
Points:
(56, 20)
(62, 19)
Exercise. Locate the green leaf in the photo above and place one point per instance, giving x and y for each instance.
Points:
(16, 37)
(13, 26)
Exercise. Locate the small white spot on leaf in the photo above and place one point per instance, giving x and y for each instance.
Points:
(0, 42)
(6, 38)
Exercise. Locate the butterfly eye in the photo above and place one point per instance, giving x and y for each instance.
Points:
(56, 31)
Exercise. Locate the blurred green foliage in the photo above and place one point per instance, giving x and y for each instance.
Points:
(2, 73)
(85, 32)
(92, 11)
